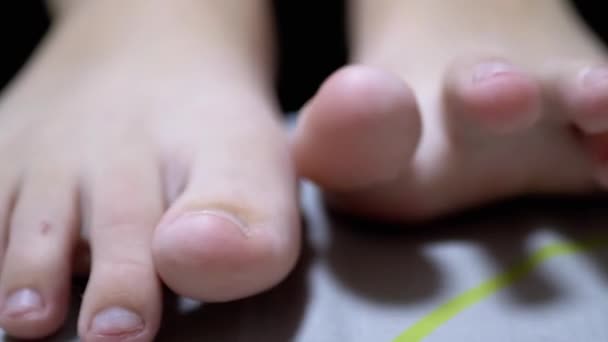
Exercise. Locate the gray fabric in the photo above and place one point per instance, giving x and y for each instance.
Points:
(355, 283)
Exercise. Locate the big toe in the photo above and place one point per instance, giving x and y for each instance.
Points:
(360, 129)
(234, 230)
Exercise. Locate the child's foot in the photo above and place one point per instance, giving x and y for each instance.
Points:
(170, 121)
(512, 97)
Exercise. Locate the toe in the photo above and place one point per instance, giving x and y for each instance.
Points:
(360, 129)
(583, 93)
(35, 278)
(8, 192)
(233, 231)
(122, 301)
(494, 94)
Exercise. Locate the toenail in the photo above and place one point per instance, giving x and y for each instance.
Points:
(593, 77)
(212, 218)
(23, 302)
(116, 321)
(489, 70)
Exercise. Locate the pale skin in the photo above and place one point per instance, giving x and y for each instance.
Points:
(152, 126)
(452, 104)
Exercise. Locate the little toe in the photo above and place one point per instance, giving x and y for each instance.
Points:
(35, 278)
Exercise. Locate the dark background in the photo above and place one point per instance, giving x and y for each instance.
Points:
(311, 36)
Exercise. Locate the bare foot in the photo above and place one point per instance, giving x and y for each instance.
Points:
(454, 104)
(158, 137)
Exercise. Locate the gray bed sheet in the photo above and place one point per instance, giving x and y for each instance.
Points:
(528, 270)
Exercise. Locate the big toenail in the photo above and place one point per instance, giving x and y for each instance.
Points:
(116, 321)
(211, 218)
(489, 70)
(23, 302)
(593, 77)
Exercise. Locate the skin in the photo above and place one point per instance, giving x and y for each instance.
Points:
(127, 130)
(449, 105)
